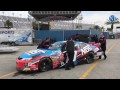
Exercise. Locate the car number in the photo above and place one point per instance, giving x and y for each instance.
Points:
(35, 52)
(86, 49)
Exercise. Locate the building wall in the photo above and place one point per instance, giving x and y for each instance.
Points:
(114, 28)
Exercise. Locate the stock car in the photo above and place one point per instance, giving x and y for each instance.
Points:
(8, 49)
(52, 58)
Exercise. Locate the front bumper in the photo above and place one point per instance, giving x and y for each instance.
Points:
(26, 69)
(21, 67)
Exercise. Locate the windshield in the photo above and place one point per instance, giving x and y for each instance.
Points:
(56, 45)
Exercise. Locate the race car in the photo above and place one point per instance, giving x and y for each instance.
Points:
(8, 49)
(99, 52)
(53, 57)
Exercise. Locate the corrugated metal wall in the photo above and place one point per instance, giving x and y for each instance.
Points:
(106, 34)
(63, 34)
(57, 35)
(95, 32)
(69, 33)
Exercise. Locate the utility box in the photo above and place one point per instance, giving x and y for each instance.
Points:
(112, 36)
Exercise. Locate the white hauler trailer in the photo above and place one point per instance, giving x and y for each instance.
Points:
(16, 37)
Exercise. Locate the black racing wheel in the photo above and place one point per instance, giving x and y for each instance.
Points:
(90, 58)
(45, 64)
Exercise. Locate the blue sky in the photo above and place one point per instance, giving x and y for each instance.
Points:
(94, 17)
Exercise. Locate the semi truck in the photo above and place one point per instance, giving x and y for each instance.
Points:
(16, 37)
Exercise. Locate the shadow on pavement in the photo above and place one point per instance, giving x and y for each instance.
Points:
(34, 73)
(9, 52)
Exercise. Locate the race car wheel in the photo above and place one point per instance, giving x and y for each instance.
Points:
(45, 65)
(3, 43)
(99, 57)
(12, 44)
(90, 58)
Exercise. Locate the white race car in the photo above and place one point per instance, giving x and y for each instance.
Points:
(8, 49)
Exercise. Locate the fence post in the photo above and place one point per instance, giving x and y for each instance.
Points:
(63, 35)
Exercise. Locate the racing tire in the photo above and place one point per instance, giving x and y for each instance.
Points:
(7, 43)
(90, 58)
(99, 57)
(44, 65)
(3, 43)
(12, 44)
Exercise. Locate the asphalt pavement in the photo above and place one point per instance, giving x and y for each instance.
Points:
(100, 69)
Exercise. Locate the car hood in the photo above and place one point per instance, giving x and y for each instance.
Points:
(35, 53)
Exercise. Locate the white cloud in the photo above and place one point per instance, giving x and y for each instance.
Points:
(98, 17)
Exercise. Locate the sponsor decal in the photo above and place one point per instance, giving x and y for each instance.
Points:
(53, 58)
(35, 52)
(31, 63)
(6, 32)
(62, 64)
(26, 69)
(86, 49)
(99, 53)
(96, 49)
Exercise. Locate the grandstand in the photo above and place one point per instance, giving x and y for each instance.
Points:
(63, 25)
(61, 20)
(50, 20)
(18, 23)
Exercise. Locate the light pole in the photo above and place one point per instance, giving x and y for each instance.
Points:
(20, 15)
(72, 23)
(3, 13)
(63, 34)
(13, 14)
(28, 18)
(80, 19)
(38, 26)
(2, 17)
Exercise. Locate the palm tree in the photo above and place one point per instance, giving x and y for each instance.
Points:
(8, 24)
(91, 28)
(112, 24)
(79, 26)
(96, 27)
(102, 29)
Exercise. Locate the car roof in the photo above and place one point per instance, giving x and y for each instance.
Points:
(66, 41)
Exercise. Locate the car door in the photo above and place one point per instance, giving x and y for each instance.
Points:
(77, 53)
(85, 49)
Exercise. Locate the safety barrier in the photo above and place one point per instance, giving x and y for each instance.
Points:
(59, 35)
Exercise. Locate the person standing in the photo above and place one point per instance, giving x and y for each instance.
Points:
(95, 38)
(102, 41)
(70, 54)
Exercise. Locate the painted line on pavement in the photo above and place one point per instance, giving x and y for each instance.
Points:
(95, 64)
(82, 77)
(8, 74)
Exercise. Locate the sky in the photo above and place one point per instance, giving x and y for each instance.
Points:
(98, 17)
(92, 17)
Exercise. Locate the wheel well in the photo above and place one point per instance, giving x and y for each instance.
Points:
(49, 59)
(91, 53)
